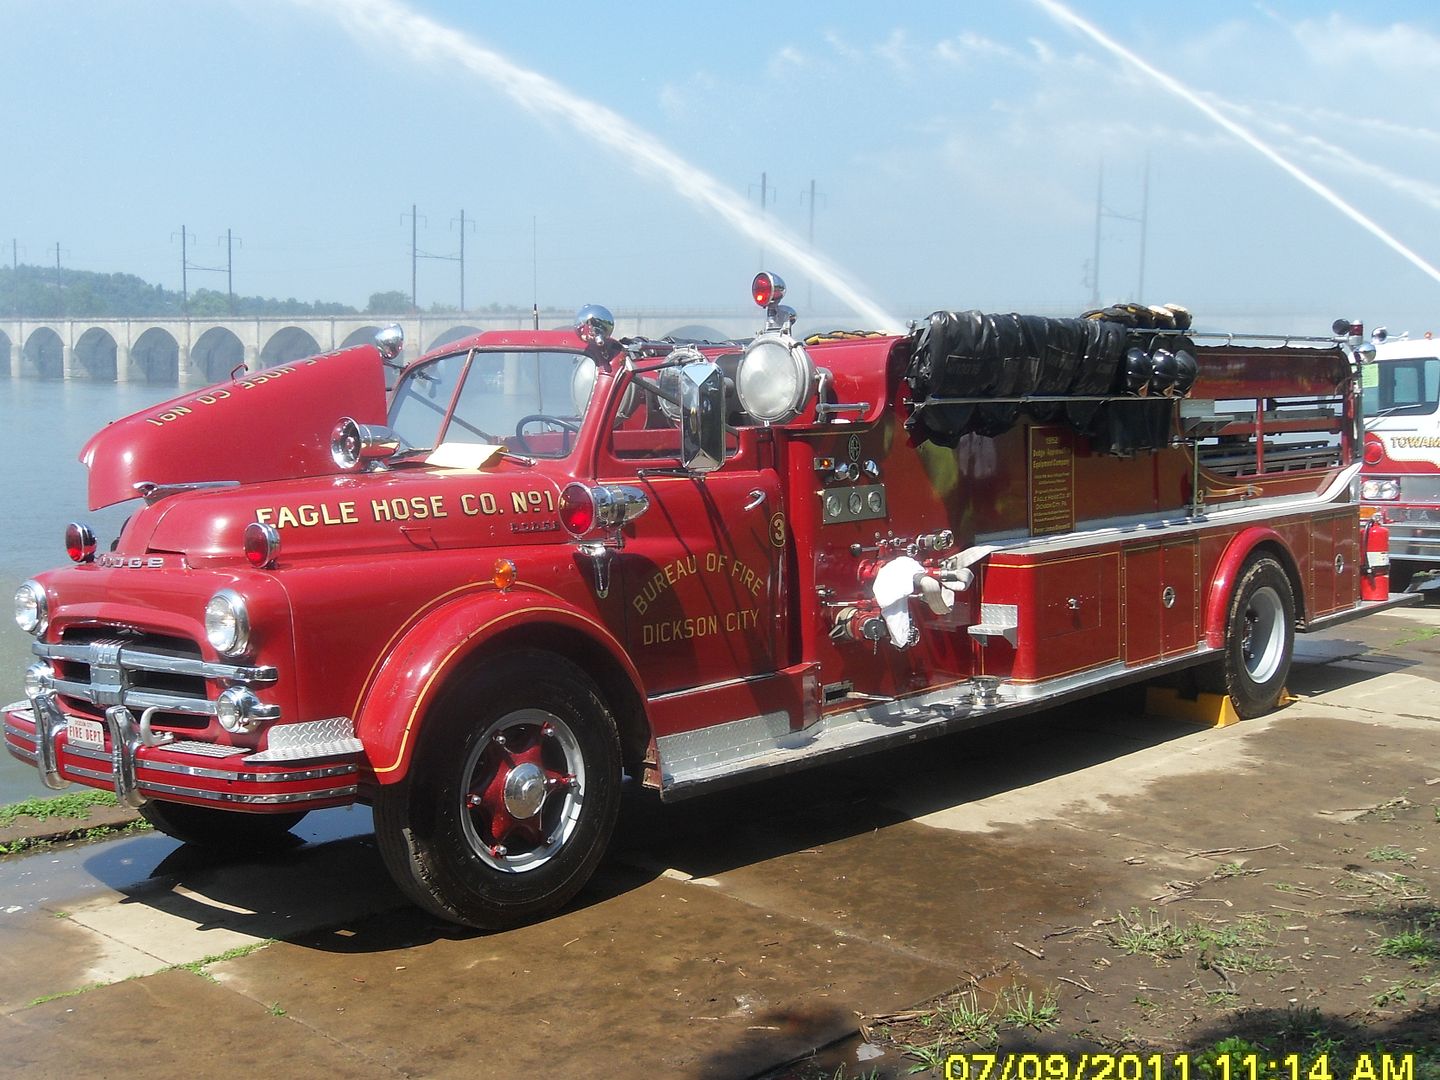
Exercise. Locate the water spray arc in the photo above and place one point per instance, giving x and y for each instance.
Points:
(1063, 14)
(397, 28)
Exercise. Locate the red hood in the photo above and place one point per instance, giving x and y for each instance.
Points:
(270, 425)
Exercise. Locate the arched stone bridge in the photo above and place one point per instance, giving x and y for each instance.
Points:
(198, 352)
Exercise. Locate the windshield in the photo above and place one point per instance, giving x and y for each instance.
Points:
(521, 400)
(1401, 387)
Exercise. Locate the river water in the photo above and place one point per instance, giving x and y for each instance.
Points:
(44, 487)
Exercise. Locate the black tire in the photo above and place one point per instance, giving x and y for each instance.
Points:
(1401, 575)
(468, 835)
(205, 826)
(1259, 640)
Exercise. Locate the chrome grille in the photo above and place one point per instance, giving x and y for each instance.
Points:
(101, 669)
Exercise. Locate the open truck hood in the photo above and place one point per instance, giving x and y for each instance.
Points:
(273, 424)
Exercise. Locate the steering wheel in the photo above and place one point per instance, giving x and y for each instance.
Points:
(542, 418)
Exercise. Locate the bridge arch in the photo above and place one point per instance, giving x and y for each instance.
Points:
(455, 333)
(697, 332)
(216, 353)
(94, 355)
(286, 345)
(363, 336)
(6, 345)
(44, 354)
(155, 356)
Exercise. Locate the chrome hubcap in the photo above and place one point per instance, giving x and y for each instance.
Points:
(1263, 641)
(524, 790)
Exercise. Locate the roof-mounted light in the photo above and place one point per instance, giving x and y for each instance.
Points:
(594, 324)
(767, 289)
(390, 341)
(79, 542)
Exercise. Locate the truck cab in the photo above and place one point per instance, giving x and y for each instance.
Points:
(1401, 479)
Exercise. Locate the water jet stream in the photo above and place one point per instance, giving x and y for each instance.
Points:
(1063, 14)
(398, 28)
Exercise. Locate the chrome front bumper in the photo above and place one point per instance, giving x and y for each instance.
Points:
(139, 766)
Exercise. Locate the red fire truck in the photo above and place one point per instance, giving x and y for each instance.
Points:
(552, 559)
(1401, 478)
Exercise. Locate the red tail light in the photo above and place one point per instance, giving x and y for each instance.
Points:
(1374, 450)
(577, 509)
(79, 542)
(262, 544)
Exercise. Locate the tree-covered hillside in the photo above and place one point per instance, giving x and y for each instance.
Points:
(46, 293)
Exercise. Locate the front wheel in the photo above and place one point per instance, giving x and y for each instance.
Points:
(205, 826)
(511, 798)
(1259, 640)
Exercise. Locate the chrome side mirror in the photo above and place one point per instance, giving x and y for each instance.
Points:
(702, 416)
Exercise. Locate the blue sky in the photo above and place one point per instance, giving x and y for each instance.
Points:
(956, 148)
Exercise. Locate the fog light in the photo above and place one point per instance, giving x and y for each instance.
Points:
(38, 678)
(238, 709)
(32, 610)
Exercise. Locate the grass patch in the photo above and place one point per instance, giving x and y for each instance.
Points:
(43, 998)
(1390, 853)
(1023, 1011)
(75, 804)
(1415, 945)
(197, 967)
(1423, 633)
(30, 844)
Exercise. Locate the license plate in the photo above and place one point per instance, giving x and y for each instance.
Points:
(89, 733)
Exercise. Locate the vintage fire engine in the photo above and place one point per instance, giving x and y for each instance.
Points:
(556, 559)
(1401, 478)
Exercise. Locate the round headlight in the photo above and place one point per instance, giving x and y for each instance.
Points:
(227, 623)
(32, 611)
(582, 385)
(774, 379)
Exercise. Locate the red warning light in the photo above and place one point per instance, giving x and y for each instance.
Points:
(767, 289)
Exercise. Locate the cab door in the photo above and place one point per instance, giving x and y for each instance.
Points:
(702, 570)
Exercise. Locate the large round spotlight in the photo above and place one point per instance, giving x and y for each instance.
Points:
(775, 379)
(32, 610)
(227, 623)
(582, 389)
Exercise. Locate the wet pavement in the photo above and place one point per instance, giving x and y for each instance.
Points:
(724, 935)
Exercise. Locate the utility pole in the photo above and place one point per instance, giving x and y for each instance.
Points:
(230, 269)
(414, 255)
(810, 286)
(1101, 212)
(535, 271)
(1144, 227)
(764, 202)
(463, 224)
(59, 288)
(184, 270)
(1095, 260)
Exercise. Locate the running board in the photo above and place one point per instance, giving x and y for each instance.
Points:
(724, 754)
(1363, 608)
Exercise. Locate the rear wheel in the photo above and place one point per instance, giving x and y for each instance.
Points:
(205, 826)
(511, 798)
(1259, 640)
